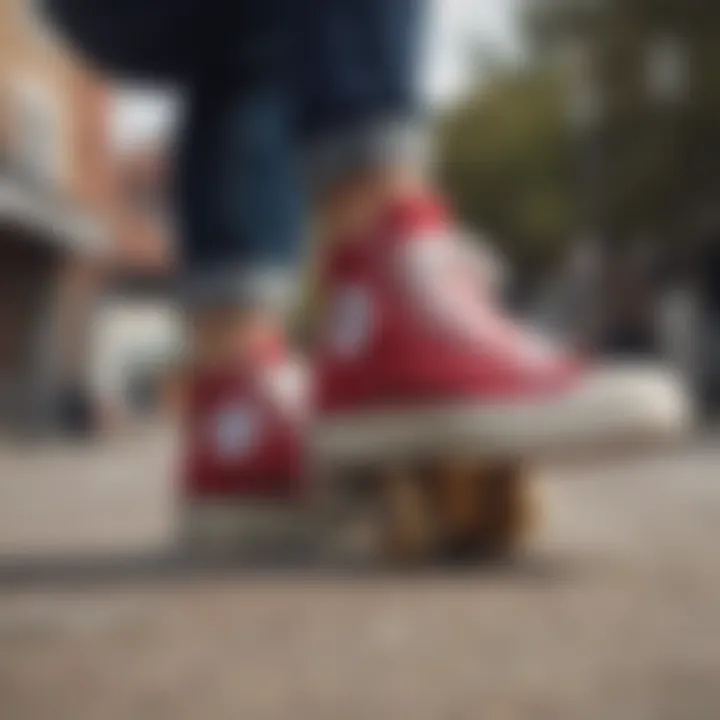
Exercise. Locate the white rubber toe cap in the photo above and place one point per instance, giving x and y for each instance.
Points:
(634, 399)
(613, 405)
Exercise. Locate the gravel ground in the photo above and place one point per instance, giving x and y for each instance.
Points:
(613, 614)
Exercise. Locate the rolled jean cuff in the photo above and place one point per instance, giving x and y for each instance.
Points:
(272, 289)
(373, 144)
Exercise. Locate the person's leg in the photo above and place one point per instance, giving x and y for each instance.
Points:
(361, 115)
(416, 359)
(360, 120)
(238, 209)
(239, 225)
(359, 71)
(238, 200)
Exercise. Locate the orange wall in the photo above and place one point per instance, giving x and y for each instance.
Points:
(75, 102)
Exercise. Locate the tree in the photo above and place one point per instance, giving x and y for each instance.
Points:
(508, 153)
(506, 160)
(657, 68)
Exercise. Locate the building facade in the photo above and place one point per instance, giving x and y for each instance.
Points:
(56, 190)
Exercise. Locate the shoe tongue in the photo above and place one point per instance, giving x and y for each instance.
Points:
(266, 349)
(257, 352)
(415, 213)
(402, 218)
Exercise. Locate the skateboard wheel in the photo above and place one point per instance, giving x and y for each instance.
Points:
(511, 507)
(414, 513)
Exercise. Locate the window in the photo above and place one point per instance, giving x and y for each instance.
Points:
(35, 140)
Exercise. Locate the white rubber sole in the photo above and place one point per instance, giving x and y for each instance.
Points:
(220, 528)
(615, 405)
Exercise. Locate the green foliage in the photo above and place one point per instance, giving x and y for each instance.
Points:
(506, 160)
(511, 162)
(660, 151)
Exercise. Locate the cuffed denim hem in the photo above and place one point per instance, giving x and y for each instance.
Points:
(373, 144)
(272, 289)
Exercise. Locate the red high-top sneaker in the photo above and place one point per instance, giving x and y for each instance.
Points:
(417, 357)
(243, 454)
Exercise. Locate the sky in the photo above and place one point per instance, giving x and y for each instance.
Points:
(455, 26)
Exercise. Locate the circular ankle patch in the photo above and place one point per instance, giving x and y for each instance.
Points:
(350, 320)
(235, 430)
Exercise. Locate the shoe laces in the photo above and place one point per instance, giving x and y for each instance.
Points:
(456, 279)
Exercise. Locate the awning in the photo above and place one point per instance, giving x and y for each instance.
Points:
(68, 227)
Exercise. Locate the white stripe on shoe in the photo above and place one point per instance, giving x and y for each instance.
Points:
(218, 528)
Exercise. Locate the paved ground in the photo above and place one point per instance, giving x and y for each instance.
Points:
(615, 614)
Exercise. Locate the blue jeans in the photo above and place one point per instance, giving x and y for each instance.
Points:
(268, 82)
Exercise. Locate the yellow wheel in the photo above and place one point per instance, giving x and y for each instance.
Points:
(508, 496)
(414, 513)
(409, 523)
